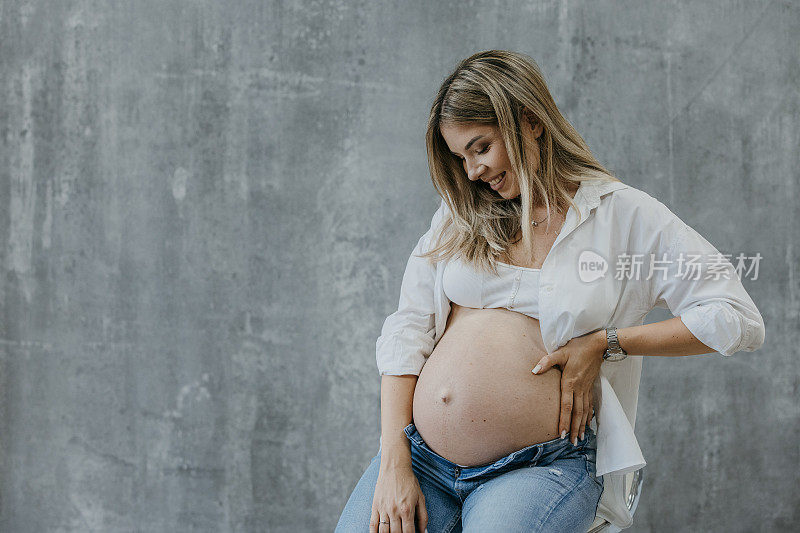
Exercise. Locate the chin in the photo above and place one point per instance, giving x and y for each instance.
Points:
(509, 195)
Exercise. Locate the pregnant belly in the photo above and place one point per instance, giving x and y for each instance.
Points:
(476, 399)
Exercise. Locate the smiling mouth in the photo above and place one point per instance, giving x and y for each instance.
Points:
(497, 181)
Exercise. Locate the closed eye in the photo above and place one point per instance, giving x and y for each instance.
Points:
(479, 153)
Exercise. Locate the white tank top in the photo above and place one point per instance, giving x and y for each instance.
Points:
(515, 288)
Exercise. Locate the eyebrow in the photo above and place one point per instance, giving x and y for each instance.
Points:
(470, 142)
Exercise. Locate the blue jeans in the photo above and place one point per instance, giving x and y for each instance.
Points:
(550, 486)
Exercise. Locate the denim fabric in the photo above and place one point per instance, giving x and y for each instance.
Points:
(550, 486)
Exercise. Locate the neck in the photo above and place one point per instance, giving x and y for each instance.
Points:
(541, 211)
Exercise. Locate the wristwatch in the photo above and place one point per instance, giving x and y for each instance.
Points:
(614, 352)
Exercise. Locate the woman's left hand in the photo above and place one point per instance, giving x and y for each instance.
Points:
(579, 361)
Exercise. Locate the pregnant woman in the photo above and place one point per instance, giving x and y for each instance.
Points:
(516, 323)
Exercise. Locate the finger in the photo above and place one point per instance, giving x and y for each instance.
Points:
(395, 524)
(374, 521)
(422, 515)
(383, 522)
(566, 410)
(584, 418)
(548, 361)
(577, 415)
(542, 366)
(408, 525)
(407, 519)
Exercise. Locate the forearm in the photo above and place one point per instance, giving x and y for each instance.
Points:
(666, 338)
(397, 396)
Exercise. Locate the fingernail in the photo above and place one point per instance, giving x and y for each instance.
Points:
(563, 433)
(536, 368)
(575, 441)
(581, 435)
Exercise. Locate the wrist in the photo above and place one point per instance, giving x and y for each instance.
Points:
(394, 458)
(601, 343)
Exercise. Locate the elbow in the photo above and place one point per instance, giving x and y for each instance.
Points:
(758, 335)
(752, 336)
(726, 329)
(403, 353)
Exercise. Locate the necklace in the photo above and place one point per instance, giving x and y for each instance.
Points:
(534, 223)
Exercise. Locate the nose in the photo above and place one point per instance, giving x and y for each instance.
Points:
(475, 172)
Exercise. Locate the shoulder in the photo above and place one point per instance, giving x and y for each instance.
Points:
(642, 219)
(640, 206)
(630, 196)
(437, 223)
(441, 213)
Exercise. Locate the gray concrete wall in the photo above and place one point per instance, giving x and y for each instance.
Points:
(206, 208)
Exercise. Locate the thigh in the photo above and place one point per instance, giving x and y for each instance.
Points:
(443, 509)
(561, 496)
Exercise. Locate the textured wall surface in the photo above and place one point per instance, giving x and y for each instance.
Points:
(206, 208)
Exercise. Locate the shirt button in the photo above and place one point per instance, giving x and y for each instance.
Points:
(549, 289)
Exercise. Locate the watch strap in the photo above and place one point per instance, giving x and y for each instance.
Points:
(613, 340)
(614, 351)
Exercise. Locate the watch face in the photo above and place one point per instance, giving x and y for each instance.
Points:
(615, 356)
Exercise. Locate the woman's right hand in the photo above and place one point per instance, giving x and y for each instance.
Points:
(398, 500)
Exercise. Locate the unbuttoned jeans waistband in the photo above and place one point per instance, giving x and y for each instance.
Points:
(542, 453)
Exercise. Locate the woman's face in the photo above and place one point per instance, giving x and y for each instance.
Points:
(483, 154)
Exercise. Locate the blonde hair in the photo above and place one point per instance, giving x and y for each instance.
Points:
(502, 89)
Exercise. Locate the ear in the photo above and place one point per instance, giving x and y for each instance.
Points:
(535, 125)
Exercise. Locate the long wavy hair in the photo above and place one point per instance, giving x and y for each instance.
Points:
(502, 89)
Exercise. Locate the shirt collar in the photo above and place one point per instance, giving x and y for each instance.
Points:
(590, 191)
(587, 198)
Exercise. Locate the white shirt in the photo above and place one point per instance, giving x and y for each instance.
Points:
(615, 219)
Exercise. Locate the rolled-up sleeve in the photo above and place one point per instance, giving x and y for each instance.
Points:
(709, 298)
(408, 335)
